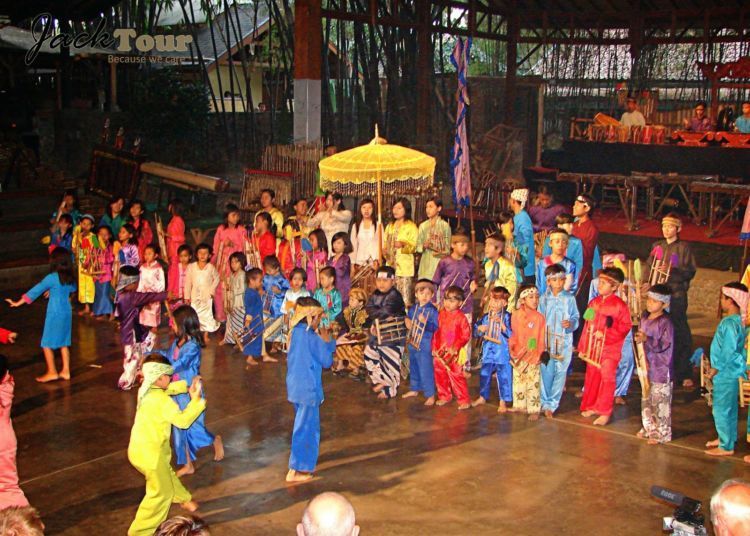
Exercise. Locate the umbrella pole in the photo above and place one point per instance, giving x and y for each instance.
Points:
(380, 223)
(473, 241)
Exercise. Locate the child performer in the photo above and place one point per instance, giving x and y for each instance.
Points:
(104, 307)
(151, 280)
(141, 225)
(125, 250)
(175, 232)
(185, 357)
(229, 238)
(342, 263)
(422, 316)
(657, 335)
(136, 341)
(149, 451)
(457, 270)
(10, 492)
(453, 332)
(400, 239)
(433, 239)
(561, 318)
(558, 240)
(317, 258)
(275, 286)
(60, 284)
(350, 348)
(84, 245)
(62, 237)
(364, 238)
(607, 324)
(328, 296)
(495, 353)
(523, 232)
(309, 354)
(291, 255)
(498, 271)
(527, 346)
(201, 280)
(263, 237)
(676, 253)
(237, 285)
(113, 216)
(728, 364)
(383, 361)
(253, 311)
(296, 290)
(575, 246)
(177, 275)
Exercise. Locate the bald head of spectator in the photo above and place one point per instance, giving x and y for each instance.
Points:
(730, 508)
(328, 514)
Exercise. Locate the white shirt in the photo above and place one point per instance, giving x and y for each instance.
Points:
(364, 244)
(633, 119)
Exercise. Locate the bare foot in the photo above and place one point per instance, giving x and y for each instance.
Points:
(579, 394)
(295, 476)
(268, 359)
(719, 452)
(382, 395)
(688, 383)
(746, 459)
(83, 312)
(190, 506)
(379, 387)
(478, 402)
(205, 337)
(218, 449)
(601, 420)
(187, 469)
(430, 401)
(587, 413)
(712, 444)
(222, 342)
(502, 407)
(549, 413)
(641, 434)
(620, 401)
(533, 416)
(49, 377)
(441, 402)
(65, 375)
(464, 406)
(516, 410)
(251, 362)
(652, 442)
(410, 394)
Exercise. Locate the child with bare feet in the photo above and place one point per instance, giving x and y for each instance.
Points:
(58, 322)
(607, 324)
(84, 244)
(527, 346)
(309, 354)
(254, 317)
(728, 363)
(656, 333)
(149, 451)
(201, 281)
(422, 322)
(494, 328)
(450, 338)
(185, 356)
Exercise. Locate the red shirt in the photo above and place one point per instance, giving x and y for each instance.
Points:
(589, 235)
(453, 331)
(265, 244)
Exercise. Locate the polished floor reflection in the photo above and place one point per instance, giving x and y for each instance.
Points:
(406, 468)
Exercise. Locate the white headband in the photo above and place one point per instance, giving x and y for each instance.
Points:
(664, 298)
(529, 292)
(521, 195)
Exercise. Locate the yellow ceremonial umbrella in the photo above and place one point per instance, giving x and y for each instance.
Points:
(362, 170)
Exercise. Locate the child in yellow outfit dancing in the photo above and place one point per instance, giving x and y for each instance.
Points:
(150, 449)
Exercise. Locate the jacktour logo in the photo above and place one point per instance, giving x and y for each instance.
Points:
(125, 39)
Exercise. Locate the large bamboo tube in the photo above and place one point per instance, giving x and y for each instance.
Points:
(184, 177)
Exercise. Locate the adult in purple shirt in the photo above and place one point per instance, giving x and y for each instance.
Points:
(699, 122)
(544, 210)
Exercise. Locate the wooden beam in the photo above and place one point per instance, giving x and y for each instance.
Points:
(511, 66)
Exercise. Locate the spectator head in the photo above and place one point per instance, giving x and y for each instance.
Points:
(23, 521)
(730, 508)
(184, 525)
(328, 514)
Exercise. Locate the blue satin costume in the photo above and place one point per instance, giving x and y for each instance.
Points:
(496, 360)
(556, 309)
(421, 371)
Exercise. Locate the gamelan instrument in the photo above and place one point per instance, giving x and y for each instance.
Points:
(363, 273)
(392, 330)
(250, 332)
(161, 236)
(707, 382)
(660, 267)
(495, 326)
(555, 340)
(416, 332)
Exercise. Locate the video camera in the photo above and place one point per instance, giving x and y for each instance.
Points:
(687, 519)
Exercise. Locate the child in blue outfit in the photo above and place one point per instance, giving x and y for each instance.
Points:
(185, 357)
(561, 317)
(494, 328)
(254, 317)
(423, 315)
(328, 296)
(309, 354)
(275, 286)
(58, 322)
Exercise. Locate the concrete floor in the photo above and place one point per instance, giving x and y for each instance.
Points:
(406, 468)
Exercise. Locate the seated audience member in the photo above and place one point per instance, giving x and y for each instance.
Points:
(328, 514)
(183, 525)
(544, 210)
(21, 521)
(730, 508)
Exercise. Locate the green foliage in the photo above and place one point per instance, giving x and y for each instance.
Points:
(170, 113)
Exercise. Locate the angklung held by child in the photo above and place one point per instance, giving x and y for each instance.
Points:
(275, 286)
(185, 357)
(236, 288)
(58, 321)
(328, 296)
(104, 306)
(254, 317)
(728, 364)
(422, 319)
(448, 351)
(656, 333)
(498, 271)
(495, 350)
(317, 258)
(10, 492)
(136, 340)
(149, 449)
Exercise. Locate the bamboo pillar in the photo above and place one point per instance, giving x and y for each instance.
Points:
(424, 72)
